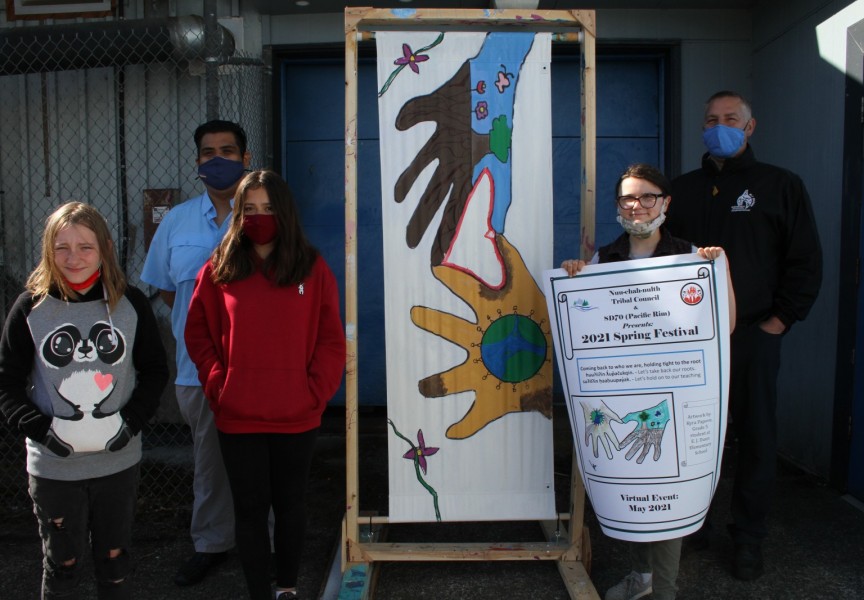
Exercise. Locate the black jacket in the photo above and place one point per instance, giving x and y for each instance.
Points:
(761, 216)
(619, 250)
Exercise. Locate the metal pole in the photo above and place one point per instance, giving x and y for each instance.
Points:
(211, 59)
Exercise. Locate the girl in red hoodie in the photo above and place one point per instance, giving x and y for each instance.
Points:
(265, 334)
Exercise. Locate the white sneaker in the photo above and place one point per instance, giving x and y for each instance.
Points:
(629, 588)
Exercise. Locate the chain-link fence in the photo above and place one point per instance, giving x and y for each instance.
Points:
(104, 112)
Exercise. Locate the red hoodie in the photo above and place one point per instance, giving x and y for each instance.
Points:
(269, 358)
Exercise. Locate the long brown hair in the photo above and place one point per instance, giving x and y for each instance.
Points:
(292, 257)
(47, 276)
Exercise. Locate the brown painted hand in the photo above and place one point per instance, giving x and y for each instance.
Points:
(456, 148)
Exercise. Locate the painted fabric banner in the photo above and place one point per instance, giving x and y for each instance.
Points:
(466, 179)
(643, 352)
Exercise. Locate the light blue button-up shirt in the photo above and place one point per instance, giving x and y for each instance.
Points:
(184, 241)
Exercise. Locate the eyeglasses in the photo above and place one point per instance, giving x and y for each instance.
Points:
(646, 200)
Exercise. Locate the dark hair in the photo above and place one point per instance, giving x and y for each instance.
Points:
(219, 127)
(648, 173)
(730, 94)
(292, 257)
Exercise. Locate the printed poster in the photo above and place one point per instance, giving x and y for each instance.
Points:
(643, 352)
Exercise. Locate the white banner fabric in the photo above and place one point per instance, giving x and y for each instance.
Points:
(466, 180)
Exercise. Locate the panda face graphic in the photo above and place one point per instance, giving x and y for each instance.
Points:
(81, 423)
(65, 345)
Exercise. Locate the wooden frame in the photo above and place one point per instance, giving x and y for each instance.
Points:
(57, 9)
(573, 554)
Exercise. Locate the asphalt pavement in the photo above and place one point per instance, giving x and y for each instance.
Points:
(815, 547)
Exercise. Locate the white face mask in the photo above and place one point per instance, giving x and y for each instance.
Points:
(643, 230)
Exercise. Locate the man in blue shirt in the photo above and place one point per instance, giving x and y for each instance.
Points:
(183, 242)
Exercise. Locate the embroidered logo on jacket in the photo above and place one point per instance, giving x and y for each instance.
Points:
(745, 202)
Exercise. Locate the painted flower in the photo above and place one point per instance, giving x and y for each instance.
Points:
(481, 111)
(481, 87)
(410, 59)
(503, 79)
(420, 452)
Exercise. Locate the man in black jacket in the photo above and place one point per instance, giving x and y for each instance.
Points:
(761, 215)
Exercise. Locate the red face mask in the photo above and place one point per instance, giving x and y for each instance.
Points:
(87, 282)
(261, 229)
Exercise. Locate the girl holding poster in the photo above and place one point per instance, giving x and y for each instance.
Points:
(642, 196)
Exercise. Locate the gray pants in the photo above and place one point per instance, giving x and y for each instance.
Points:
(661, 559)
(213, 510)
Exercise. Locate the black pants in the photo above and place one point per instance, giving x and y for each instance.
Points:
(753, 404)
(264, 470)
(73, 515)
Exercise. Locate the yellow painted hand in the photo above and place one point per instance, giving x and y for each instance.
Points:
(509, 345)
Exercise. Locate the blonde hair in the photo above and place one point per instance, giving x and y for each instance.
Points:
(47, 276)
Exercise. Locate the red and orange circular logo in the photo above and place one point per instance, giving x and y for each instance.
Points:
(692, 294)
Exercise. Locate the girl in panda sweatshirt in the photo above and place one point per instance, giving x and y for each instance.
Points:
(82, 368)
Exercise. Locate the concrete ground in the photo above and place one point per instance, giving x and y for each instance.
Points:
(815, 548)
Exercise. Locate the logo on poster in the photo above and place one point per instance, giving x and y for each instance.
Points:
(582, 305)
(692, 294)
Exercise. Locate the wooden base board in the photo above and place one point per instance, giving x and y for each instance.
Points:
(359, 574)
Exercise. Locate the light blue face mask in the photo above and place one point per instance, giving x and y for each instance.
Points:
(723, 141)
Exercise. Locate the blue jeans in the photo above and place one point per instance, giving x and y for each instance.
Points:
(73, 515)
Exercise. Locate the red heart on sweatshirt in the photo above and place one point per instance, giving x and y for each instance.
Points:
(103, 381)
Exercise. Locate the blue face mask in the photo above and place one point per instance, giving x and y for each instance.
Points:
(723, 141)
(220, 173)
